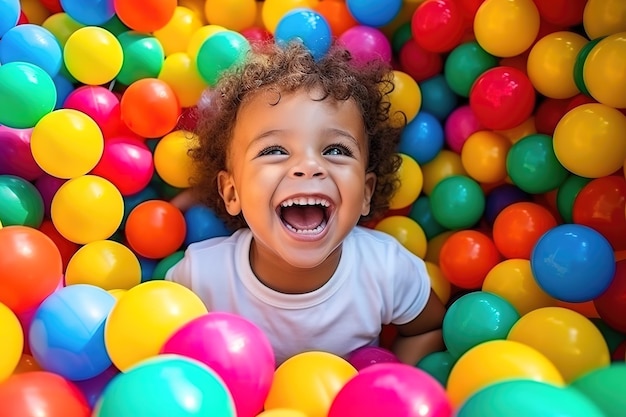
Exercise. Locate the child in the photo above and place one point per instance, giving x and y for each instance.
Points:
(294, 153)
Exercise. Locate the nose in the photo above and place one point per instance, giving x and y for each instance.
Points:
(309, 166)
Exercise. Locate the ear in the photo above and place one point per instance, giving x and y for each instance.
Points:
(368, 191)
(228, 192)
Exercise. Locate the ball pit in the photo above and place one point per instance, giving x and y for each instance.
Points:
(513, 191)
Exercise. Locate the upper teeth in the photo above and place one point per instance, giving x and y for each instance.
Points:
(305, 201)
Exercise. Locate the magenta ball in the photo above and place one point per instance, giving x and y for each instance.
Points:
(15, 155)
(370, 355)
(48, 185)
(99, 103)
(127, 163)
(366, 43)
(236, 349)
(459, 125)
(391, 389)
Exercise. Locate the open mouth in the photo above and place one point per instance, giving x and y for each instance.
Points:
(305, 215)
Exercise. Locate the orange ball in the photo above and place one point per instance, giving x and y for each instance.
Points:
(155, 229)
(518, 227)
(145, 16)
(337, 15)
(466, 258)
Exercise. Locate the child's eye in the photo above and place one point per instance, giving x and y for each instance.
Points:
(273, 150)
(338, 149)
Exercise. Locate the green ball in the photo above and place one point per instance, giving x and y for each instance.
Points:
(220, 52)
(606, 387)
(143, 57)
(20, 202)
(526, 397)
(27, 93)
(438, 365)
(612, 337)
(465, 64)
(457, 202)
(401, 36)
(533, 166)
(579, 65)
(421, 211)
(566, 195)
(166, 263)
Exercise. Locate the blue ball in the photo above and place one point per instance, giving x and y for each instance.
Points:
(64, 88)
(306, 26)
(9, 15)
(203, 223)
(66, 335)
(438, 98)
(374, 13)
(501, 197)
(147, 266)
(89, 12)
(422, 138)
(573, 263)
(32, 44)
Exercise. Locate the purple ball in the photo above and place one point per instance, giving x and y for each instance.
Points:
(15, 155)
(500, 197)
(366, 43)
(370, 355)
(47, 185)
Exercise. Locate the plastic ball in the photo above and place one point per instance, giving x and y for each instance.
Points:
(604, 70)
(579, 65)
(609, 304)
(394, 388)
(411, 180)
(492, 317)
(588, 140)
(306, 26)
(93, 387)
(459, 125)
(105, 264)
(562, 13)
(20, 202)
(273, 10)
(67, 332)
(202, 223)
(93, 55)
(150, 108)
(373, 13)
(337, 15)
(502, 97)
(66, 248)
(171, 158)
(165, 264)
(143, 57)
(309, 382)
(90, 12)
(422, 139)
(466, 257)
(282, 412)
(15, 155)
(99, 103)
(484, 156)
(13, 338)
(458, 202)
(86, 209)
(366, 43)
(602, 386)
(438, 283)
(407, 231)
(438, 365)
(551, 64)
(573, 263)
(180, 73)
(232, 14)
(498, 361)
(568, 339)
(418, 62)
(33, 44)
(236, 349)
(465, 64)
(445, 164)
(506, 28)
(155, 229)
(437, 97)
(603, 17)
(198, 37)
(438, 25)
(42, 393)
(26, 87)
(148, 16)
(405, 99)
(523, 397)
(500, 197)
(421, 211)
(366, 356)
(175, 35)
(220, 52)
(567, 194)
(61, 25)
(533, 166)
(548, 113)
(169, 385)
(10, 15)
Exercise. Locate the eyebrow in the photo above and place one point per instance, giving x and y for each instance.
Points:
(331, 130)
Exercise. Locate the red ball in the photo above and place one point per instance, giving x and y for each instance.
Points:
(155, 229)
(549, 113)
(99, 103)
(67, 248)
(438, 25)
(419, 63)
(611, 305)
(561, 12)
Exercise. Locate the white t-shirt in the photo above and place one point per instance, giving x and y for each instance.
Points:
(378, 281)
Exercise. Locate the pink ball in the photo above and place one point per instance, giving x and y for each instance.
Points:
(47, 185)
(460, 124)
(370, 355)
(99, 103)
(236, 349)
(127, 162)
(15, 155)
(366, 43)
(391, 389)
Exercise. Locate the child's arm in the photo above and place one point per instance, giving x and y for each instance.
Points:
(422, 335)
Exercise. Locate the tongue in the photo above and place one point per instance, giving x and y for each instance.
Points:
(303, 217)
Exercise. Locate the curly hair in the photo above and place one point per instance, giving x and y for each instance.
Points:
(289, 69)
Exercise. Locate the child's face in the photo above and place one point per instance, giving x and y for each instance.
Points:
(297, 172)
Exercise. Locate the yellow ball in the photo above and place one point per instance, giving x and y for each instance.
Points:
(235, 15)
(567, 338)
(93, 55)
(484, 156)
(514, 134)
(12, 342)
(440, 285)
(405, 100)
(551, 63)
(434, 246)
(604, 17)
(171, 158)
(145, 317)
(513, 280)
(61, 25)
(589, 140)
(496, 361)
(86, 209)
(411, 181)
(106, 264)
(180, 72)
(406, 231)
(308, 382)
(282, 412)
(506, 28)
(117, 293)
(196, 6)
(66, 143)
(604, 72)
(444, 165)
(176, 34)
(274, 10)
